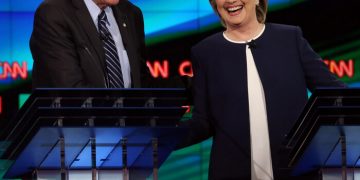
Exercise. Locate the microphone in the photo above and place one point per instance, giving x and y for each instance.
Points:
(84, 47)
(251, 44)
(125, 45)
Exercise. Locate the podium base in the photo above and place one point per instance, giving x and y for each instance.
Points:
(80, 174)
(336, 174)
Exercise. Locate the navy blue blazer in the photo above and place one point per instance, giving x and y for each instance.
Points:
(287, 66)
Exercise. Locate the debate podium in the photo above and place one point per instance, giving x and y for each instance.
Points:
(326, 137)
(94, 133)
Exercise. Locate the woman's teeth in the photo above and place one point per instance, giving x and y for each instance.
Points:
(236, 8)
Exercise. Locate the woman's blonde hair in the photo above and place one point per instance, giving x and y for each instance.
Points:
(261, 10)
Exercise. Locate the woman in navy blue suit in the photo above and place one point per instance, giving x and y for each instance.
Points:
(250, 85)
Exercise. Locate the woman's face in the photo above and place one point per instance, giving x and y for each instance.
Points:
(237, 12)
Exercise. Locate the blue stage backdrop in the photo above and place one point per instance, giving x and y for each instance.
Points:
(171, 28)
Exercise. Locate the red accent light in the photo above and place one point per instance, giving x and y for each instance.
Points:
(14, 70)
(188, 108)
(185, 69)
(157, 69)
(341, 68)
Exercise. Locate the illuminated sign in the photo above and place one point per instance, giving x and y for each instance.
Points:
(158, 69)
(341, 68)
(13, 70)
(188, 108)
(185, 69)
(161, 69)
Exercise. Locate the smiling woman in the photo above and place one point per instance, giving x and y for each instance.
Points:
(260, 10)
(243, 95)
(176, 24)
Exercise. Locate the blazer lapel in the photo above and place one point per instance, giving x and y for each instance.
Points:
(126, 28)
(90, 30)
(121, 20)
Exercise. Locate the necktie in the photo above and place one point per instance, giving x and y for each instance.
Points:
(114, 73)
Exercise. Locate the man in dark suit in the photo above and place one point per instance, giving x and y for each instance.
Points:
(70, 48)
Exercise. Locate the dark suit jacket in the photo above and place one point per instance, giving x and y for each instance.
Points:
(68, 52)
(287, 66)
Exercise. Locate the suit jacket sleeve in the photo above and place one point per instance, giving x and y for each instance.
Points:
(316, 72)
(146, 79)
(140, 32)
(53, 50)
(200, 126)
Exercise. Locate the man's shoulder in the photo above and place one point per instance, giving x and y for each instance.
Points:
(128, 6)
(55, 4)
(53, 7)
